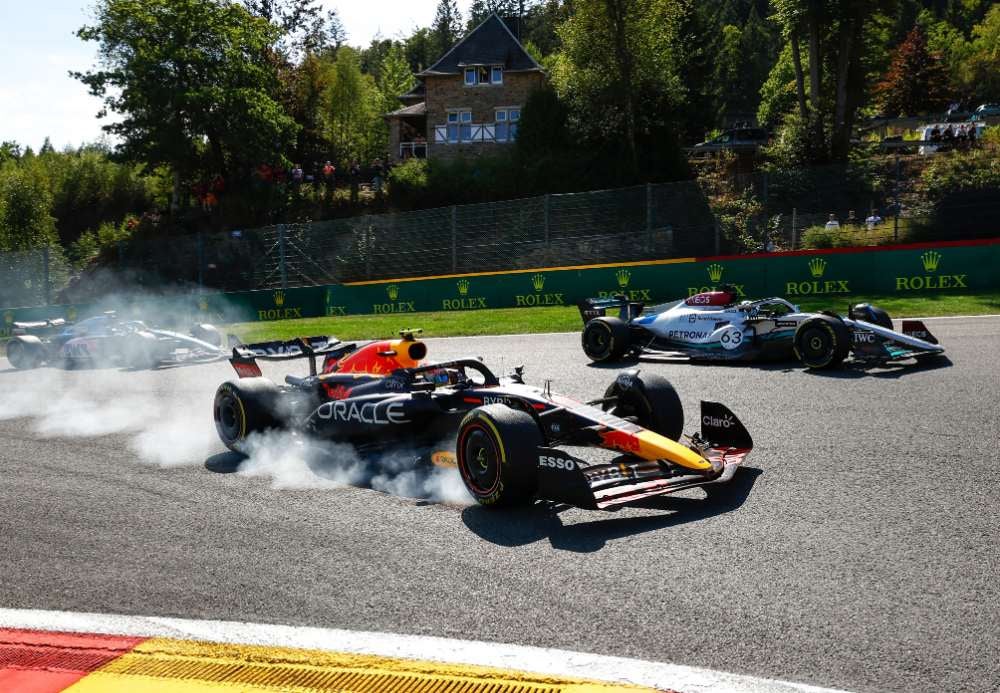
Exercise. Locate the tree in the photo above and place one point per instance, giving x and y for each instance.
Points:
(447, 28)
(394, 77)
(916, 82)
(984, 61)
(617, 71)
(191, 83)
(26, 221)
(304, 25)
(352, 116)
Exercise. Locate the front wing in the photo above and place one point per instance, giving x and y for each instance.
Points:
(723, 442)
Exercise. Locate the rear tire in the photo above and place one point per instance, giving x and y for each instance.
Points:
(496, 451)
(605, 338)
(24, 355)
(822, 342)
(243, 407)
(652, 400)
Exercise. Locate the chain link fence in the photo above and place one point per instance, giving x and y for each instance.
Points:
(877, 205)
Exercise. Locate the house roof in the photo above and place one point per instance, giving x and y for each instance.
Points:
(490, 43)
(418, 93)
(417, 109)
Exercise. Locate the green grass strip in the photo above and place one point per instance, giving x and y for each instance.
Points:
(567, 319)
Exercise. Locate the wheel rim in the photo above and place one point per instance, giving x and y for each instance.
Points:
(480, 460)
(228, 418)
(815, 344)
(598, 340)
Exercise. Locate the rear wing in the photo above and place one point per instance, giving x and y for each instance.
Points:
(591, 308)
(244, 358)
(22, 328)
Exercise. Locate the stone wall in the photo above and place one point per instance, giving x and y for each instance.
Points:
(448, 92)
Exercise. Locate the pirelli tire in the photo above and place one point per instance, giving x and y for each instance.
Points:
(25, 354)
(496, 450)
(606, 338)
(651, 399)
(244, 407)
(822, 342)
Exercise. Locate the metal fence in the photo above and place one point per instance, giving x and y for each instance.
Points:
(739, 214)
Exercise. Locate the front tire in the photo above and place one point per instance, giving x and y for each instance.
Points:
(496, 452)
(822, 342)
(651, 399)
(605, 338)
(243, 407)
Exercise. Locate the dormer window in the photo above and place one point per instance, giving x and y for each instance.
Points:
(483, 75)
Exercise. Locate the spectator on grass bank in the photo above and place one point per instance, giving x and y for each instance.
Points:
(872, 220)
(329, 175)
(852, 221)
(832, 224)
(355, 175)
(297, 174)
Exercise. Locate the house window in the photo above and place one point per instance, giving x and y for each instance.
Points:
(459, 126)
(483, 75)
(507, 120)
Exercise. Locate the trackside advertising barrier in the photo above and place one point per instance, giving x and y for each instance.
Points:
(958, 267)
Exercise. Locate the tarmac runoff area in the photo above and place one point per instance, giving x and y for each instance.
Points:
(856, 552)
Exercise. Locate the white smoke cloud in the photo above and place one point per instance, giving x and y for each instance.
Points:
(166, 417)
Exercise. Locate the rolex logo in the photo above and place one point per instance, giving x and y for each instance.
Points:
(623, 276)
(279, 298)
(463, 287)
(931, 259)
(715, 272)
(538, 281)
(817, 266)
(392, 291)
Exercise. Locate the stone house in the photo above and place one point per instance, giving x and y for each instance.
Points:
(468, 102)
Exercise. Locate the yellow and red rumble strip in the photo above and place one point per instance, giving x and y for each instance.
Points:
(34, 661)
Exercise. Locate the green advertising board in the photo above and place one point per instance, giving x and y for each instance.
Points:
(912, 270)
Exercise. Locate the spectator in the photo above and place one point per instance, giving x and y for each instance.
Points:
(329, 175)
(873, 220)
(852, 221)
(935, 134)
(832, 224)
(297, 174)
(972, 134)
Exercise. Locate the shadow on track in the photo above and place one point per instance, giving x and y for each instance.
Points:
(523, 526)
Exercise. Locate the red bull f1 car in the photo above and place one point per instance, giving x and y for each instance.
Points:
(507, 438)
(714, 326)
(107, 340)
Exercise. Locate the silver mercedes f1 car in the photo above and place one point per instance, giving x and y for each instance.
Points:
(107, 340)
(714, 326)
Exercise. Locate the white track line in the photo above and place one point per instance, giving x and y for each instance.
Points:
(443, 650)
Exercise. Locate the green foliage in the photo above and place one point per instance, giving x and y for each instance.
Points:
(26, 221)
(409, 184)
(618, 74)
(106, 237)
(354, 124)
(185, 73)
(819, 237)
(447, 27)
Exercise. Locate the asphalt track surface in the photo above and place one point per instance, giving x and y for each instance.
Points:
(858, 550)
